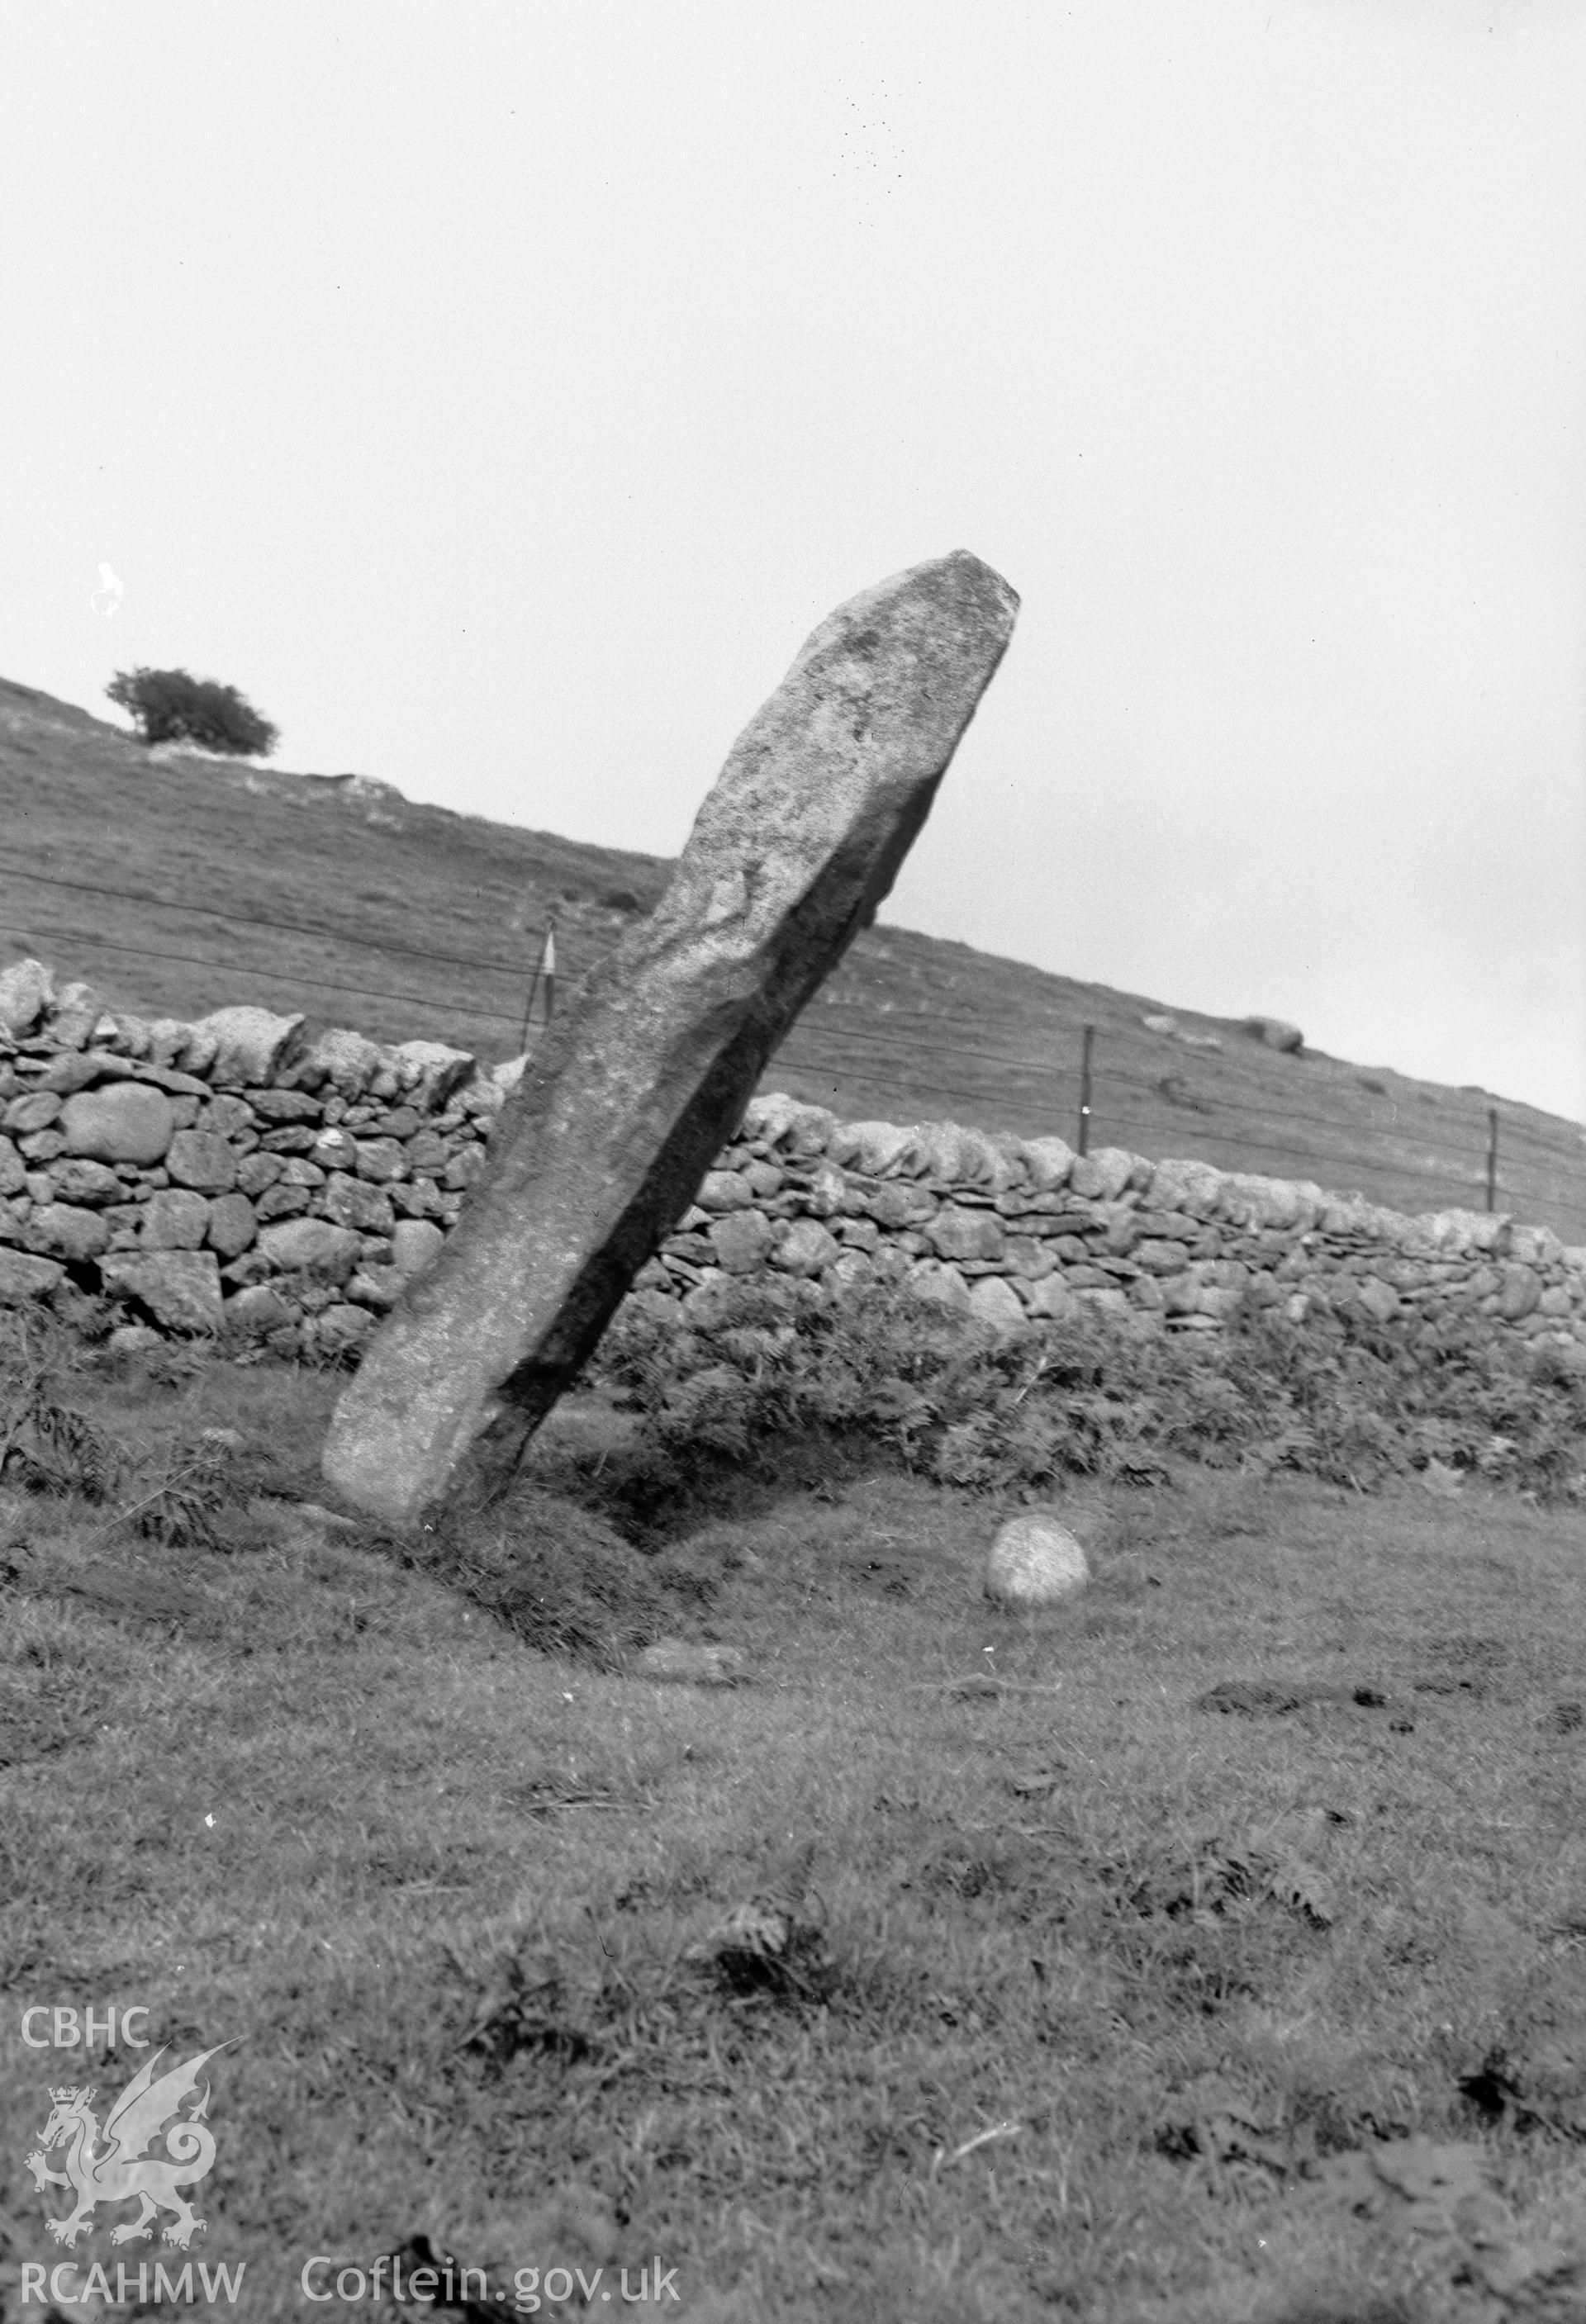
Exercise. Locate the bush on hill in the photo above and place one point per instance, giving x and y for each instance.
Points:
(171, 706)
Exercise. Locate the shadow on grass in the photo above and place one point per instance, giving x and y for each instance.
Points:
(596, 1554)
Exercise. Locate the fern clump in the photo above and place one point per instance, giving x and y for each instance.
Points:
(1003, 1411)
(46, 1443)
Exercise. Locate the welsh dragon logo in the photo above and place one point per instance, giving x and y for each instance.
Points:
(126, 2171)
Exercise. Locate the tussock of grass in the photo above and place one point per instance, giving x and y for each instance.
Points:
(559, 1576)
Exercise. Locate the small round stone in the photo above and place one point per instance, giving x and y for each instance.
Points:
(1035, 1561)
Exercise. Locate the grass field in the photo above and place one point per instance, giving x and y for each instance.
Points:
(179, 885)
(1211, 1949)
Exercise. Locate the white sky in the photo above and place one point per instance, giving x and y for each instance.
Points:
(498, 394)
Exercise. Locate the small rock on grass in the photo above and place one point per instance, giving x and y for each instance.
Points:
(1251, 1699)
(680, 1659)
(311, 1513)
(1035, 1561)
(284, 1517)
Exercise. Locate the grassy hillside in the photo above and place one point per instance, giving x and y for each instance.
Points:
(178, 884)
(1205, 1950)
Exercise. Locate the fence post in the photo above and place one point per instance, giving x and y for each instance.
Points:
(529, 1010)
(1084, 1091)
(546, 966)
(1492, 1157)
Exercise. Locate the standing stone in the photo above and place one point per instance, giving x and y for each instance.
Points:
(1035, 1561)
(631, 1095)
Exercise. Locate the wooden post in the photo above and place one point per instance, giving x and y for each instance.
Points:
(1492, 1157)
(529, 1006)
(1084, 1091)
(547, 967)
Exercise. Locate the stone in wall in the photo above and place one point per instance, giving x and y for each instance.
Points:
(250, 1044)
(179, 1289)
(126, 1121)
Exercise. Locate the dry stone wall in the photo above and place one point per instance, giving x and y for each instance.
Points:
(233, 1174)
(1015, 1231)
(227, 1173)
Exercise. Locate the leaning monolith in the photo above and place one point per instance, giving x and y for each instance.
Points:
(602, 1146)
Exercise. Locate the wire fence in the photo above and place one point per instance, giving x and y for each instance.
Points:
(1102, 1092)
